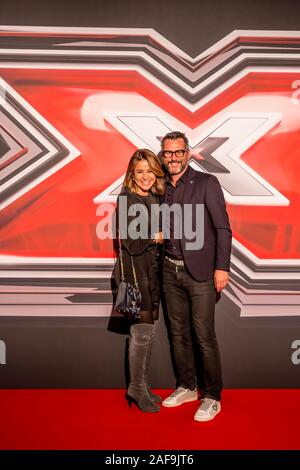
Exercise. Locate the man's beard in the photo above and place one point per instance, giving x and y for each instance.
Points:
(175, 172)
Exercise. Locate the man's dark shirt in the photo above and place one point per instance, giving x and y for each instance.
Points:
(174, 194)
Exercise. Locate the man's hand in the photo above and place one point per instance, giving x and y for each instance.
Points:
(221, 279)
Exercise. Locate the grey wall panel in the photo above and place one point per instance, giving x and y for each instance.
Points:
(87, 352)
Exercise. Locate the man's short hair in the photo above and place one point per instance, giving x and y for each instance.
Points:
(174, 136)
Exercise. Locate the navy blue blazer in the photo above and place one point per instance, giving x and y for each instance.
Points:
(204, 188)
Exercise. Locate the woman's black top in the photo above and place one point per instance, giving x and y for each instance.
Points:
(144, 251)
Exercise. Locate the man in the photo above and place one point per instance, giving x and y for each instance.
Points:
(193, 278)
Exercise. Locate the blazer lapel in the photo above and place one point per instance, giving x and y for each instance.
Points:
(189, 187)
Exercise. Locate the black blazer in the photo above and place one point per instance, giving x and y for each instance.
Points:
(204, 188)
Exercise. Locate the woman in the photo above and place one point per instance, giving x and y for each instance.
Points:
(142, 187)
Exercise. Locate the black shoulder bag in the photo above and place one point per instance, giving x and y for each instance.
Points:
(129, 297)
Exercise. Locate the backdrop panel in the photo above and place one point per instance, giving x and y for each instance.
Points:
(75, 103)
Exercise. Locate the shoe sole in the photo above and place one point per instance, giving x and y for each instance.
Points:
(178, 404)
(201, 420)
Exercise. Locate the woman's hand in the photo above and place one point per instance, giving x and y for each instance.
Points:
(158, 237)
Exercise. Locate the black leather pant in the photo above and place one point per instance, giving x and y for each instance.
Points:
(191, 310)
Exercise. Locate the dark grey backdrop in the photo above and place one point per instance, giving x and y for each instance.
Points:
(193, 25)
(82, 352)
(76, 352)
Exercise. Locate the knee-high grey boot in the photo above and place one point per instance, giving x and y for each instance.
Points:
(139, 342)
(154, 397)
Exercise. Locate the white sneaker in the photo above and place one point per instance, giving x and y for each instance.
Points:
(180, 396)
(208, 410)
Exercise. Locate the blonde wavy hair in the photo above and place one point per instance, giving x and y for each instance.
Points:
(154, 164)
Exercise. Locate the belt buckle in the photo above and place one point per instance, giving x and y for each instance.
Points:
(177, 262)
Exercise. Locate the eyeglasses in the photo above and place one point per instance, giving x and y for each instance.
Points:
(169, 153)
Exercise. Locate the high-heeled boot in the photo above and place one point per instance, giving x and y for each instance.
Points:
(139, 342)
(154, 397)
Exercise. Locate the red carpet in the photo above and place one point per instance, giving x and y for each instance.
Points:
(101, 419)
